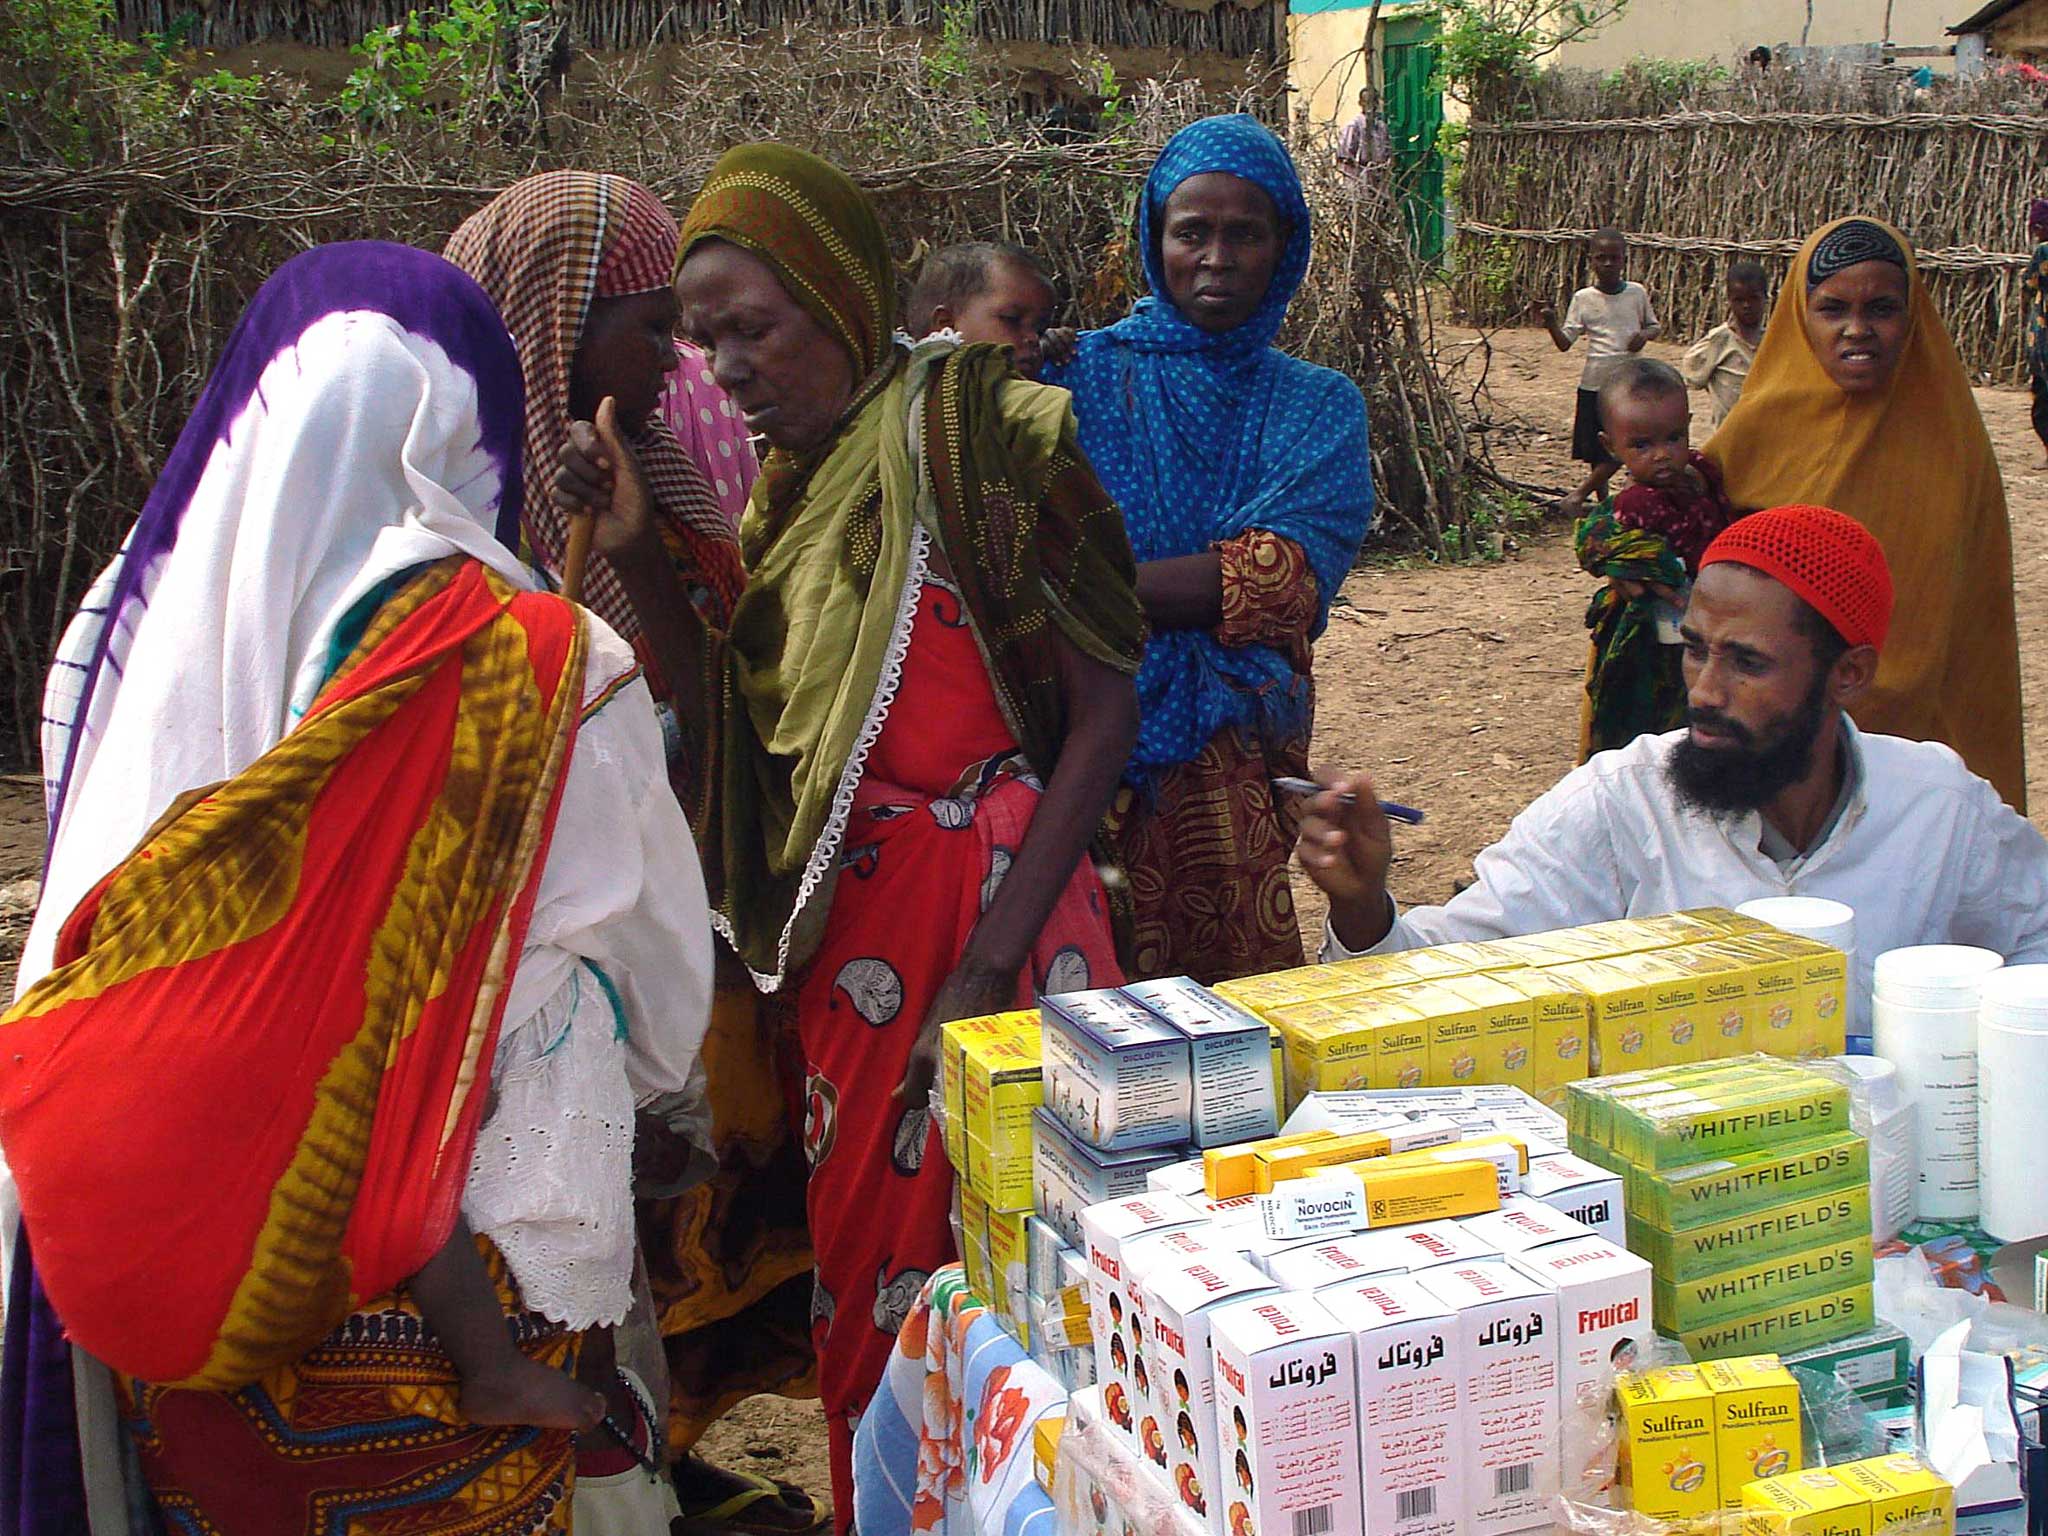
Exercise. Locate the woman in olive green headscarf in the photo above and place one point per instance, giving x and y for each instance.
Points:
(925, 700)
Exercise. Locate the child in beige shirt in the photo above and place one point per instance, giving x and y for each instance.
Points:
(1719, 361)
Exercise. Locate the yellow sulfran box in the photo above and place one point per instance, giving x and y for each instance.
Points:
(954, 1040)
(1668, 1450)
(1815, 1503)
(1726, 1007)
(1341, 1045)
(1645, 1011)
(1902, 1492)
(1776, 989)
(1756, 1421)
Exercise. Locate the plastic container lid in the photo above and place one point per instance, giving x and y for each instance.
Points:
(1877, 1084)
(2017, 999)
(1813, 917)
(1934, 975)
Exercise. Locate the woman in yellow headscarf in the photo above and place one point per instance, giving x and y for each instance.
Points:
(1858, 401)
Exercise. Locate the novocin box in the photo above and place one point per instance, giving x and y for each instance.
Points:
(1115, 1072)
(1286, 1419)
(1181, 1300)
(1405, 1342)
(1507, 1340)
(1230, 1061)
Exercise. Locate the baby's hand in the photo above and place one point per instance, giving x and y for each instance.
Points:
(1058, 343)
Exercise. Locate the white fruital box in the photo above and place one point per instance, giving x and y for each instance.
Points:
(1603, 1326)
(1286, 1419)
(1584, 1191)
(1108, 1230)
(1390, 1250)
(1522, 1223)
(1507, 1341)
(1180, 1302)
(1406, 1344)
(1183, 1179)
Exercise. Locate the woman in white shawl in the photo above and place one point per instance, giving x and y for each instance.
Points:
(367, 910)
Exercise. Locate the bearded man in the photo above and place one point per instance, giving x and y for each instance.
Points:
(1769, 790)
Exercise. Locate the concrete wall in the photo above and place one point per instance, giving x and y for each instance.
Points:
(1725, 30)
(1326, 63)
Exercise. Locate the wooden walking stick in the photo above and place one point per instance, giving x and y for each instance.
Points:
(577, 555)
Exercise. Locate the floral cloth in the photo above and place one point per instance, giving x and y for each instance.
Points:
(1689, 518)
(946, 1443)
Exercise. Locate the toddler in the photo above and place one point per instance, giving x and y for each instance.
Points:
(1720, 361)
(986, 292)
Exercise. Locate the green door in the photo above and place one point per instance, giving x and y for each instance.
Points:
(1415, 113)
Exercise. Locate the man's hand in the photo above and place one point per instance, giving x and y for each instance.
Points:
(1638, 341)
(1346, 849)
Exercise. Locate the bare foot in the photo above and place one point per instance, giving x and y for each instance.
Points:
(527, 1392)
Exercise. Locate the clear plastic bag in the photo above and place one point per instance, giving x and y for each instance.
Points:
(1102, 1488)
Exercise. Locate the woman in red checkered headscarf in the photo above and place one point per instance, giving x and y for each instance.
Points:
(579, 265)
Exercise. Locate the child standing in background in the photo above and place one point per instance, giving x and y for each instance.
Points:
(1719, 361)
(986, 292)
(1615, 317)
(1647, 543)
(2036, 290)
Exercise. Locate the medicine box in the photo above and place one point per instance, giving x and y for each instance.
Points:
(1587, 1193)
(1756, 1421)
(1713, 1121)
(1181, 1300)
(1110, 1231)
(1392, 1250)
(1286, 1419)
(1677, 1198)
(1398, 1192)
(1785, 1326)
(954, 1039)
(1815, 1503)
(1560, 1031)
(1668, 1456)
(1714, 1246)
(1522, 1224)
(1603, 1317)
(1874, 1365)
(1405, 1344)
(1230, 1055)
(1705, 1299)
(1068, 1176)
(1507, 1342)
(1116, 1074)
(1775, 990)
(1182, 1178)
(1902, 1492)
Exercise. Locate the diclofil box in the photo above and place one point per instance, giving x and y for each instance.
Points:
(1286, 1419)
(1405, 1344)
(1507, 1342)
(1068, 1176)
(1230, 1058)
(1181, 1300)
(1115, 1073)
(1110, 1232)
(1522, 1224)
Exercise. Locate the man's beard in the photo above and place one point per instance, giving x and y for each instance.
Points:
(1732, 781)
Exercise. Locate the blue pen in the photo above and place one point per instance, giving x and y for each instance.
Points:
(1392, 811)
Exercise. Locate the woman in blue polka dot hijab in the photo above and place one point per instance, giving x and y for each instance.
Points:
(1246, 482)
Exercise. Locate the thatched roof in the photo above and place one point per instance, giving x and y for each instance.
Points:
(1233, 28)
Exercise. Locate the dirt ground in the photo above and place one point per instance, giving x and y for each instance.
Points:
(1458, 688)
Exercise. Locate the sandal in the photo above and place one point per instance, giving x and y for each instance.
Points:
(788, 1511)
